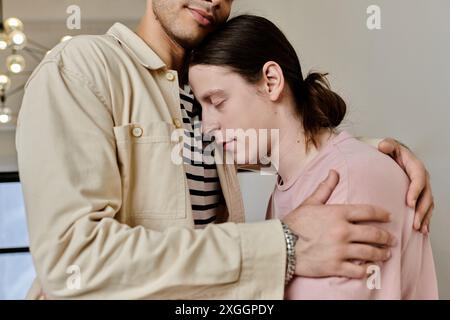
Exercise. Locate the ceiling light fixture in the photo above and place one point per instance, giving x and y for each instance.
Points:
(13, 38)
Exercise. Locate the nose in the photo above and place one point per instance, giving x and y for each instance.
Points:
(209, 124)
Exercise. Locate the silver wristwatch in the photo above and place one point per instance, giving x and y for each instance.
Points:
(291, 240)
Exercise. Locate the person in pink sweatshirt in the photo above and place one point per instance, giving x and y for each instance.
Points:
(248, 76)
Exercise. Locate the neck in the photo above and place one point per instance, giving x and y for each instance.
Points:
(294, 154)
(170, 52)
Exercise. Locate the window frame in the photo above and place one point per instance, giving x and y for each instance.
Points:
(6, 177)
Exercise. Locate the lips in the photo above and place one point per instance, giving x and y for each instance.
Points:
(228, 144)
(202, 17)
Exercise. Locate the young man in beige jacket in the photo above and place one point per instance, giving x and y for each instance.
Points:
(111, 216)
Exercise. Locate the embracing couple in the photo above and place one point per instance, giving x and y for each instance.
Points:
(95, 143)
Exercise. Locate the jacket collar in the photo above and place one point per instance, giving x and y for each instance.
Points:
(137, 47)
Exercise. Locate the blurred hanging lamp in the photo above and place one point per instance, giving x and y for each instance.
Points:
(14, 39)
(15, 63)
(4, 35)
(5, 113)
(18, 39)
(5, 83)
(12, 35)
(13, 24)
(4, 41)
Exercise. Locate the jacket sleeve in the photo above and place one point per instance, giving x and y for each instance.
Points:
(72, 190)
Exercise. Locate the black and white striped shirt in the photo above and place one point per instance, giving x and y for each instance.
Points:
(203, 180)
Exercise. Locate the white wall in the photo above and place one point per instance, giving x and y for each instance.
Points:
(396, 81)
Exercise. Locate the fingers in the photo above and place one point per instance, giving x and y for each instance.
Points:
(354, 271)
(419, 179)
(424, 204)
(364, 252)
(413, 167)
(419, 194)
(366, 213)
(388, 146)
(415, 189)
(364, 234)
(425, 227)
(324, 190)
(418, 184)
(417, 221)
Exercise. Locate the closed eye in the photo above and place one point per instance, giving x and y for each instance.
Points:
(219, 105)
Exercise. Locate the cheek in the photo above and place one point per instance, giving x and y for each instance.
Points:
(224, 14)
(257, 114)
(165, 9)
(242, 112)
(230, 116)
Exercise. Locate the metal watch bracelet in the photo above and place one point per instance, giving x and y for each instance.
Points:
(291, 239)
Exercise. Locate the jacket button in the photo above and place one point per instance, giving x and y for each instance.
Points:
(137, 132)
(170, 76)
(177, 123)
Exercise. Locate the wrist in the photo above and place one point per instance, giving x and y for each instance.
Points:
(291, 240)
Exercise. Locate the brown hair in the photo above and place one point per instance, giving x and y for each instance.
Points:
(245, 43)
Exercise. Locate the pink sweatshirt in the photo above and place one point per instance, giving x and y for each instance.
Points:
(366, 177)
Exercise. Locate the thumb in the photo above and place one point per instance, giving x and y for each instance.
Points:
(324, 190)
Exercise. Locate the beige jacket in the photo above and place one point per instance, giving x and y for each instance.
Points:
(109, 213)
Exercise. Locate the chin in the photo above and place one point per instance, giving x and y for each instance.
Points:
(191, 33)
(192, 39)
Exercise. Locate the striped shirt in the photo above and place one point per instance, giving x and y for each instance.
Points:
(202, 177)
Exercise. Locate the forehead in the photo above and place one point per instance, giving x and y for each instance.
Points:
(203, 79)
(208, 80)
(210, 75)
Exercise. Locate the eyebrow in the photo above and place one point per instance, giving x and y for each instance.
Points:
(211, 93)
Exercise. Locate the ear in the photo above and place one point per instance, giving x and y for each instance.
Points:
(273, 80)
